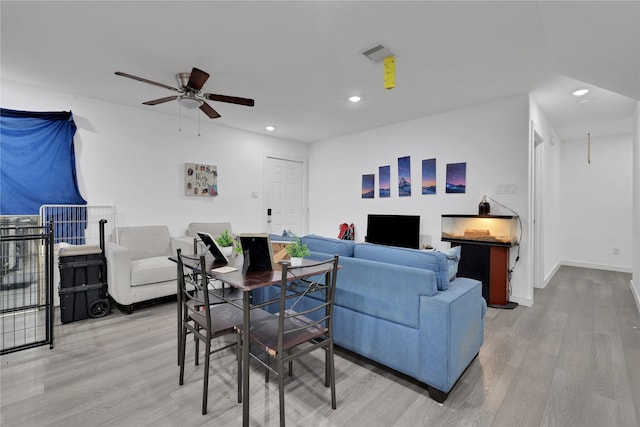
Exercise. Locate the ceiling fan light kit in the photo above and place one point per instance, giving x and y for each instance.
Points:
(190, 94)
(189, 102)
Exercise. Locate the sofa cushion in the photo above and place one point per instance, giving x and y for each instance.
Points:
(430, 260)
(152, 270)
(146, 242)
(329, 245)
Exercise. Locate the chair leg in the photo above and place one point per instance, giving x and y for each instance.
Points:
(181, 354)
(332, 375)
(239, 360)
(197, 340)
(290, 352)
(327, 369)
(266, 370)
(205, 389)
(281, 388)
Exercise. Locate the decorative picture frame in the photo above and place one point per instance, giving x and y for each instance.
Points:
(429, 176)
(384, 184)
(200, 180)
(368, 184)
(456, 178)
(404, 176)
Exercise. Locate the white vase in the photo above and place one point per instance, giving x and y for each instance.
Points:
(227, 250)
(296, 261)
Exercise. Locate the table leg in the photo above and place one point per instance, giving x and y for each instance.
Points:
(179, 310)
(245, 359)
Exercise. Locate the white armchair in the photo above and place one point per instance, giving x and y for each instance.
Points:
(138, 267)
(213, 228)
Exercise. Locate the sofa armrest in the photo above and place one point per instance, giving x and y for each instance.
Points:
(118, 271)
(454, 319)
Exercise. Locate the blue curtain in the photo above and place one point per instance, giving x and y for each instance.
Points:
(37, 161)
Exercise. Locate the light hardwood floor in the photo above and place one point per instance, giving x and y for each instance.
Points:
(573, 359)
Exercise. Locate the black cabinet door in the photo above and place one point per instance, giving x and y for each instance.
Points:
(475, 264)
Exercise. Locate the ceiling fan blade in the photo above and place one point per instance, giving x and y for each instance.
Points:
(209, 111)
(231, 99)
(140, 79)
(197, 79)
(160, 100)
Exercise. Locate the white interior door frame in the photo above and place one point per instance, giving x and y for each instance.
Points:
(538, 211)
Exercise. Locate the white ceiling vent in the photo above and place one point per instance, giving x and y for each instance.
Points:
(377, 53)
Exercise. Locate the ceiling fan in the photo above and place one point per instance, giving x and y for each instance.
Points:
(189, 92)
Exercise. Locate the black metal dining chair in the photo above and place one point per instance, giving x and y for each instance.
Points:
(204, 315)
(292, 332)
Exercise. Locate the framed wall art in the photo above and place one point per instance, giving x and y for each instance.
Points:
(404, 176)
(201, 180)
(456, 178)
(384, 186)
(429, 176)
(368, 186)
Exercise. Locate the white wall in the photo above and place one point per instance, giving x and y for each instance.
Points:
(635, 282)
(597, 202)
(492, 138)
(133, 158)
(549, 188)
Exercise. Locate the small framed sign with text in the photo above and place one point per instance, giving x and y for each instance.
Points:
(201, 180)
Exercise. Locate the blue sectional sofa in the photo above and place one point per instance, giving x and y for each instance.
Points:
(404, 309)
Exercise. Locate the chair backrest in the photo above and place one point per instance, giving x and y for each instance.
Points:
(193, 283)
(302, 321)
(213, 228)
(145, 241)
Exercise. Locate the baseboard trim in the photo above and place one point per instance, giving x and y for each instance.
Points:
(608, 267)
(549, 276)
(527, 302)
(634, 292)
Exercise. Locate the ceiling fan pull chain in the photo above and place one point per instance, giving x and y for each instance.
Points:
(179, 117)
(198, 124)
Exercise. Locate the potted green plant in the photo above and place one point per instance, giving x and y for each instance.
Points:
(296, 251)
(226, 243)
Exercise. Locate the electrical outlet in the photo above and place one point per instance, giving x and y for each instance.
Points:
(616, 251)
(506, 189)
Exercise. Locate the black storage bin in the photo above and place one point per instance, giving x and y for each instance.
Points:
(82, 290)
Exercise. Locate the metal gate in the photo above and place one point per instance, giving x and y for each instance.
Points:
(26, 283)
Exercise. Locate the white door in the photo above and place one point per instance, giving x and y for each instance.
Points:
(284, 195)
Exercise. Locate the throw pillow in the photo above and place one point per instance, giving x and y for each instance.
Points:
(453, 258)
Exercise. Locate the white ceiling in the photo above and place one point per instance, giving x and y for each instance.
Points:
(301, 60)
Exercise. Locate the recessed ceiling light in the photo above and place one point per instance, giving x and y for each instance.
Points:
(354, 99)
(580, 92)
(270, 128)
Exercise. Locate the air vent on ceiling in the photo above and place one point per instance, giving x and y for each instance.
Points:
(377, 53)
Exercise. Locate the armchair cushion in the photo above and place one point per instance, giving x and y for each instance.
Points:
(152, 270)
(146, 242)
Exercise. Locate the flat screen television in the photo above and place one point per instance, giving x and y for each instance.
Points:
(394, 230)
